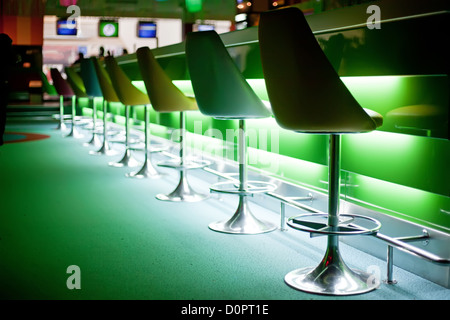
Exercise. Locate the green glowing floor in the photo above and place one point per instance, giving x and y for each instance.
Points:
(60, 206)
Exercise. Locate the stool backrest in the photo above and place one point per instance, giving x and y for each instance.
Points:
(220, 88)
(109, 94)
(47, 87)
(90, 79)
(125, 90)
(76, 83)
(61, 85)
(305, 91)
(164, 95)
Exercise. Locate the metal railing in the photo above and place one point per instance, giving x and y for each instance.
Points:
(400, 243)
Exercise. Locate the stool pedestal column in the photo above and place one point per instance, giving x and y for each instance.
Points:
(147, 170)
(332, 276)
(105, 149)
(183, 191)
(243, 221)
(94, 140)
(127, 159)
(73, 130)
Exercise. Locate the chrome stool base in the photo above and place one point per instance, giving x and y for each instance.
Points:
(104, 150)
(242, 222)
(74, 133)
(331, 277)
(93, 142)
(127, 161)
(146, 171)
(61, 126)
(183, 192)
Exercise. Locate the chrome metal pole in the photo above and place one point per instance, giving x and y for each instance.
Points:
(73, 132)
(390, 265)
(61, 126)
(105, 149)
(94, 140)
(127, 159)
(242, 156)
(334, 191)
(334, 183)
(147, 170)
(183, 191)
(283, 216)
(243, 221)
(182, 144)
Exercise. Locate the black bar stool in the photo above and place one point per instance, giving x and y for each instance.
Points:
(308, 96)
(223, 93)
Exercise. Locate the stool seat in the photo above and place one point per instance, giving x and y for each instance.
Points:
(375, 116)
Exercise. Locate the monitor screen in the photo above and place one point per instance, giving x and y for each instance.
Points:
(66, 28)
(146, 29)
(108, 28)
(205, 27)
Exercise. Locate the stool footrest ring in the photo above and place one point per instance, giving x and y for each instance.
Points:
(349, 224)
(186, 165)
(233, 187)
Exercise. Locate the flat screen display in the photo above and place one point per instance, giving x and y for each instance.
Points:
(205, 27)
(66, 28)
(109, 29)
(146, 29)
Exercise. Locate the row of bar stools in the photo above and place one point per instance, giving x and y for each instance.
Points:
(295, 88)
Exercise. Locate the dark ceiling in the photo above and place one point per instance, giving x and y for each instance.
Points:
(211, 9)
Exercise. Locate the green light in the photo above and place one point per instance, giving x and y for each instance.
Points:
(194, 5)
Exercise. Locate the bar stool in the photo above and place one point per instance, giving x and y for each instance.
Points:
(129, 95)
(64, 90)
(93, 91)
(308, 96)
(109, 95)
(77, 84)
(166, 97)
(223, 93)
